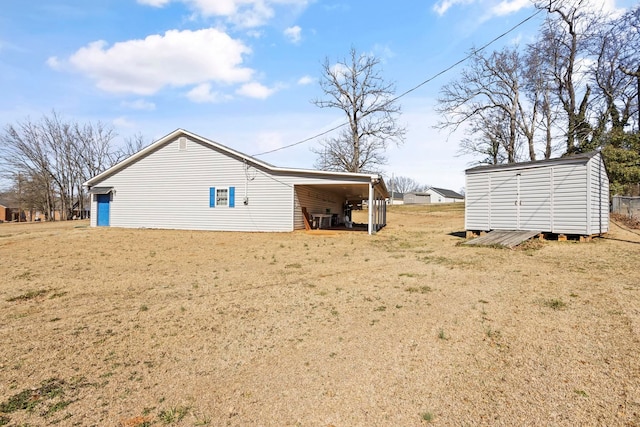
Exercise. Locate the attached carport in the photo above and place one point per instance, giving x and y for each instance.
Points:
(331, 198)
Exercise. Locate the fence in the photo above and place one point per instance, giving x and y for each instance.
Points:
(629, 206)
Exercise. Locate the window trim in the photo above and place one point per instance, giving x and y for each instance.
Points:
(213, 197)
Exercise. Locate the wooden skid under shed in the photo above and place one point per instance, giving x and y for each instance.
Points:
(508, 238)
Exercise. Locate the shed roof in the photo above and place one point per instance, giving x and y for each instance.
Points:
(575, 158)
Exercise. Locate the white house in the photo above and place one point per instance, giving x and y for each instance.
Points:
(569, 195)
(441, 195)
(185, 181)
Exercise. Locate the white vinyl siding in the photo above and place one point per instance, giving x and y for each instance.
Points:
(436, 197)
(570, 199)
(599, 184)
(417, 198)
(169, 188)
(563, 196)
(503, 201)
(478, 202)
(174, 184)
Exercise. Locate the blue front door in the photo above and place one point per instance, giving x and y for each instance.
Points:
(103, 210)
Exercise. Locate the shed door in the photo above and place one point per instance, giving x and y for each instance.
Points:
(521, 200)
(504, 201)
(103, 209)
(534, 199)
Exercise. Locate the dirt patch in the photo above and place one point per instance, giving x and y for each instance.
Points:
(164, 327)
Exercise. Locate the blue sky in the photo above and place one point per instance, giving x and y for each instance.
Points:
(243, 72)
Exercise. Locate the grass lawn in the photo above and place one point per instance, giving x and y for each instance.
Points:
(140, 327)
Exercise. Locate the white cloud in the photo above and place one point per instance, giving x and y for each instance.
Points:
(294, 34)
(442, 6)
(203, 94)
(605, 6)
(488, 9)
(255, 90)
(492, 8)
(54, 63)
(243, 13)
(254, 34)
(177, 58)
(507, 7)
(383, 52)
(140, 104)
(123, 122)
(339, 70)
(154, 3)
(306, 80)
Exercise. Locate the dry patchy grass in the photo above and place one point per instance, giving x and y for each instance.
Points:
(159, 327)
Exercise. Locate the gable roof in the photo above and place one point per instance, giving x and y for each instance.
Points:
(229, 151)
(450, 194)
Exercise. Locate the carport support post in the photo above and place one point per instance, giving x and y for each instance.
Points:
(371, 207)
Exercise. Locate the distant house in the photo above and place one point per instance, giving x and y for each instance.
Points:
(395, 198)
(14, 214)
(441, 195)
(185, 181)
(569, 195)
(5, 213)
(415, 198)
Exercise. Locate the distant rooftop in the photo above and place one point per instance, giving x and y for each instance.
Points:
(447, 193)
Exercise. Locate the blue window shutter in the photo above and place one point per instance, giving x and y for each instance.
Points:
(212, 197)
(232, 197)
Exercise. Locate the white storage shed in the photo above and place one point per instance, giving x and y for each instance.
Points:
(414, 198)
(569, 195)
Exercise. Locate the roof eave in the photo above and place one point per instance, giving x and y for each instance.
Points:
(578, 158)
(178, 132)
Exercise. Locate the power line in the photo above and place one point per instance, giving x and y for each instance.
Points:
(405, 93)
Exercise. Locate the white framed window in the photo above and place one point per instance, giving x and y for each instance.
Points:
(222, 197)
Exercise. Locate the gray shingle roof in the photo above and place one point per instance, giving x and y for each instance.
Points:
(450, 194)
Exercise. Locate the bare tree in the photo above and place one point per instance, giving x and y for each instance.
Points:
(489, 89)
(487, 137)
(615, 90)
(94, 152)
(132, 145)
(542, 112)
(565, 40)
(355, 86)
(626, 32)
(404, 184)
(24, 155)
(53, 158)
